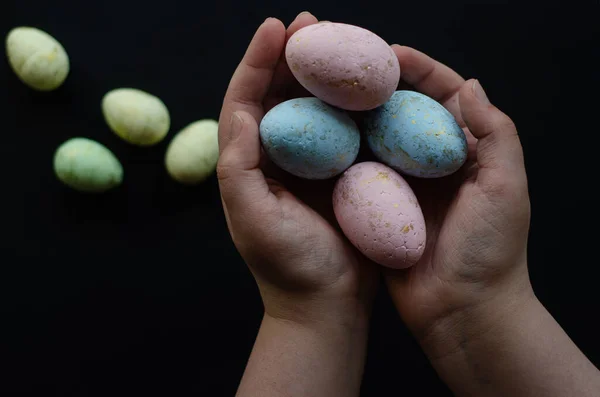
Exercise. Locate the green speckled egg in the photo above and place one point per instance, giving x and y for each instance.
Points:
(87, 166)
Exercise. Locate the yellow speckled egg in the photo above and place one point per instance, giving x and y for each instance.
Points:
(37, 58)
(136, 116)
(193, 153)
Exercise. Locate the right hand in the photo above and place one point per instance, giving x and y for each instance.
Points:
(477, 219)
(282, 226)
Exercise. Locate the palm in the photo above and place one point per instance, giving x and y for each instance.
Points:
(467, 214)
(305, 221)
(307, 211)
(424, 291)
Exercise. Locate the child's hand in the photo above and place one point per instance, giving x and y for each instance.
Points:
(304, 267)
(477, 219)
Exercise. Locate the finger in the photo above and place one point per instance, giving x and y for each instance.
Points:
(253, 76)
(437, 81)
(302, 20)
(431, 78)
(242, 183)
(283, 77)
(499, 150)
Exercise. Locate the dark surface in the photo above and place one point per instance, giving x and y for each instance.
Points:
(141, 291)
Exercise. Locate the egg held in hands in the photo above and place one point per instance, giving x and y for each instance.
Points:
(310, 139)
(379, 213)
(416, 135)
(344, 65)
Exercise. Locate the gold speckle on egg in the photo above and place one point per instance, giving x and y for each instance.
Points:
(383, 176)
(406, 229)
(52, 56)
(396, 205)
(413, 121)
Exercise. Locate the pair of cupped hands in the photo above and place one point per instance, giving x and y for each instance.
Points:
(307, 271)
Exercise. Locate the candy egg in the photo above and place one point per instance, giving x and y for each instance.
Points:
(136, 116)
(87, 166)
(379, 213)
(344, 65)
(416, 135)
(310, 139)
(193, 153)
(37, 58)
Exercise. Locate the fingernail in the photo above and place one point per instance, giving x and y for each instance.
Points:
(324, 21)
(268, 19)
(236, 127)
(301, 14)
(480, 93)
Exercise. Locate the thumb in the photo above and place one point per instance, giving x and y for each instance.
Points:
(242, 183)
(499, 150)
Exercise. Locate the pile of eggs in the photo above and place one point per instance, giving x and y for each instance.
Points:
(349, 69)
(137, 117)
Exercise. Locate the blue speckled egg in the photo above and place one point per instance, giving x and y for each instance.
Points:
(310, 139)
(416, 135)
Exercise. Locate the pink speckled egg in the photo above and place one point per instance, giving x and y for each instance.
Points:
(344, 65)
(379, 213)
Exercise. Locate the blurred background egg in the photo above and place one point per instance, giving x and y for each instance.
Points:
(310, 139)
(136, 116)
(87, 166)
(379, 213)
(37, 58)
(344, 65)
(416, 135)
(193, 152)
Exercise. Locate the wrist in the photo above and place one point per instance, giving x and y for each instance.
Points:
(477, 324)
(294, 356)
(318, 311)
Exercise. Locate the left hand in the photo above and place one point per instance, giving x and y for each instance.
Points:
(284, 229)
(475, 264)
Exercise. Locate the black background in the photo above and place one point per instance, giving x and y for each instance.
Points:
(141, 291)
